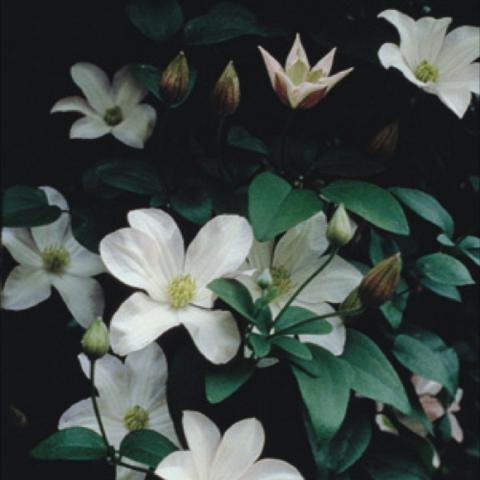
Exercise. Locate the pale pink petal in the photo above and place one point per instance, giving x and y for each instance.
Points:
(297, 53)
(325, 64)
(457, 432)
(432, 407)
(273, 67)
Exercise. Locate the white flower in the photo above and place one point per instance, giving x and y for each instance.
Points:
(299, 85)
(296, 256)
(231, 457)
(109, 108)
(132, 396)
(437, 63)
(49, 255)
(151, 256)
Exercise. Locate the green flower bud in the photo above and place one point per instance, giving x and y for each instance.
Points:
(351, 304)
(339, 230)
(265, 279)
(380, 283)
(174, 80)
(95, 342)
(226, 93)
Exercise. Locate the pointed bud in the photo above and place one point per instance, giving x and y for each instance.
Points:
(340, 230)
(174, 80)
(95, 342)
(385, 141)
(265, 279)
(351, 303)
(226, 93)
(380, 283)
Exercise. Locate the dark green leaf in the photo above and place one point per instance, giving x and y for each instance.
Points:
(293, 347)
(401, 465)
(274, 206)
(75, 443)
(393, 309)
(373, 203)
(444, 269)
(260, 344)
(240, 137)
(147, 447)
(447, 291)
(194, 203)
(444, 240)
(27, 207)
(381, 247)
(470, 246)
(84, 230)
(294, 321)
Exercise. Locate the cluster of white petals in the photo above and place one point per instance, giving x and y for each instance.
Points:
(299, 85)
(49, 255)
(109, 108)
(291, 261)
(437, 62)
(132, 396)
(150, 255)
(233, 456)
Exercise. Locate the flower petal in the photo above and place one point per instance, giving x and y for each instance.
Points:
(240, 447)
(80, 414)
(83, 296)
(177, 466)
(127, 91)
(325, 64)
(125, 473)
(160, 420)
(464, 78)
(456, 429)
(456, 99)
(424, 386)
(138, 322)
(297, 54)
(307, 95)
(25, 287)
(163, 230)
(269, 469)
(261, 255)
(203, 439)
(273, 67)
(89, 128)
(334, 79)
(94, 84)
(391, 56)
(83, 262)
(430, 36)
(461, 47)
(432, 407)
(137, 126)
(20, 244)
(219, 248)
(73, 104)
(134, 258)
(284, 87)
(214, 332)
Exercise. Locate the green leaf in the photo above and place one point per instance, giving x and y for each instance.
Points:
(147, 447)
(274, 206)
(156, 19)
(225, 21)
(427, 207)
(444, 269)
(27, 207)
(381, 247)
(394, 309)
(325, 396)
(75, 443)
(193, 202)
(373, 375)
(240, 137)
(223, 381)
(293, 316)
(373, 203)
(293, 347)
(470, 246)
(446, 291)
(419, 358)
(260, 344)
(444, 240)
(84, 229)
(130, 175)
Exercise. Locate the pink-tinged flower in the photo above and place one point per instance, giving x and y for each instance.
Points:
(109, 107)
(438, 63)
(299, 85)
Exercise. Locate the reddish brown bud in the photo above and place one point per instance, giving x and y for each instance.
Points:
(174, 79)
(226, 93)
(385, 141)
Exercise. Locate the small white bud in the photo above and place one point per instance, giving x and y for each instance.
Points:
(340, 230)
(95, 341)
(265, 279)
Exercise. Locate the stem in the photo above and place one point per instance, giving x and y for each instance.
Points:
(95, 404)
(283, 140)
(219, 143)
(163, 127)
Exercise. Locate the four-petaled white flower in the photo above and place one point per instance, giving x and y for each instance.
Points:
(109, 108)
(299, 85)
(151, 256)
(231, 457)
(437, 63)
(131, 396)
(296, 256)
(49, 255)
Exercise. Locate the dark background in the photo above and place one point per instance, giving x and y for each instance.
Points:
(41, 40)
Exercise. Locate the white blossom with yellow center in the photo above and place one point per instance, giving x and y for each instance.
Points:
(438, 63)
(150, 256)
(49, 255)
(131, 396)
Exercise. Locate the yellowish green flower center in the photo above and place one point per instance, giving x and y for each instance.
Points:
(426, 72)
(136, 418)
(281, 280)
(298, 72)
(55, 258)
(113, 116)
(181, 291)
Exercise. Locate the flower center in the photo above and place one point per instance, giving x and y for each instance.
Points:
(181, 291)
(298, 72)
(281, 280)
(113, 116)
(426, 72)
(136, 418)
(55, 259)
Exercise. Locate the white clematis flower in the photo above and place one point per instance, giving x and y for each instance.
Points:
(231, 457)
(109, 108)
(49, 255)
(296, 256)
(151, 256)
(438, 63)
(299, 85)
(132, 396)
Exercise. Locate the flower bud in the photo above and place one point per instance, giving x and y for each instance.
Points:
(226, 93)
(95, 342)
(265, 279)
(385, 141)
(174, 80)
(339, 230)
(380, 282)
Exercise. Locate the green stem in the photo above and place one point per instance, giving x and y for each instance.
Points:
(163, 127)
(95, 404)
(219, 143)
